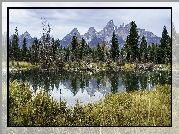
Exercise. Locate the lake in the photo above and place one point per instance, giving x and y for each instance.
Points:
(88, 87)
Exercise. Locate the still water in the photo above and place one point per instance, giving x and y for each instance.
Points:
(88, 87)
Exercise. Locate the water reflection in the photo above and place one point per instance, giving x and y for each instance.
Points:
(74, 85)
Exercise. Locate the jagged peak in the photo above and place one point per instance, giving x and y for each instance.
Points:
(26, 33)
(110, 23)
(91, 28)
(75, 31)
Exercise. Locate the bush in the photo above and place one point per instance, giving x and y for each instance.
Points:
(19, 98)
(138, 108)
(25, 111)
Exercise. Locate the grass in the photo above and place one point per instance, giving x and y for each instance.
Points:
(97, 66)
(81, 66)
(138, 108)
(128, 67)
(22, 65)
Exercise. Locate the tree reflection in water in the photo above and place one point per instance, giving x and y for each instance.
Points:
(75, 81)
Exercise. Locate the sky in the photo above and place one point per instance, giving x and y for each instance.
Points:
(63, 21)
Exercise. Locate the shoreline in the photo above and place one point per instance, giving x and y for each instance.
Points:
(96, 67)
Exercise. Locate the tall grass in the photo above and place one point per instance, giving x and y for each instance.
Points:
(138, 108)
(21, 65)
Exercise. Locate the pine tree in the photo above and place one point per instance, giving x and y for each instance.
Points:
(15, 49)
(78, 52)
(165, 46)
(93, 54)
(54, 49)
(100, 53)
(152, 54)
(57, 44)
(24, 51)
(82, 53)
(35, 52)
(133, 41)
(143, 50)
(67, 54)
(114, 47)
(159, 54)
(156, 54)
(149, 49)
(60, 55)
(74, 44)
(126, 50)
(88, 53)
(104, 50)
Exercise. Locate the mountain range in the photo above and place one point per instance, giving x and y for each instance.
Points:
(93, 37)
(26, 35)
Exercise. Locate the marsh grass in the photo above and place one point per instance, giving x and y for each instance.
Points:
(128, 67)
(138, 108)
(21, 65)
(95, 66)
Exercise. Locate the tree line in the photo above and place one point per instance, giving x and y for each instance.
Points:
(49, 52)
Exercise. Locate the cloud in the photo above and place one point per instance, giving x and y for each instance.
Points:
(63, 21)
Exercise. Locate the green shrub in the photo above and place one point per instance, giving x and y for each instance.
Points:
(19, 97)
(24, 111)
(138, 108)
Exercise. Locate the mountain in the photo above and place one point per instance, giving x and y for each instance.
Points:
(93, 37)
(68, 38)
(26, 35)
